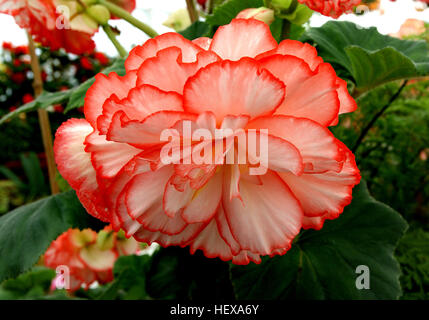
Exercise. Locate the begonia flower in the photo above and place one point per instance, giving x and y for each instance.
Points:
(87, 256)
(250, 87)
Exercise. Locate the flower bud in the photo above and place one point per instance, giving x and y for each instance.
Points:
(262, 14)
(178, 20)
(99, 13)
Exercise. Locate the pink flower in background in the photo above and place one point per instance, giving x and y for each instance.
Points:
(52, 27)
(88, 256)
(113, 157)
(332, 8)
(411, 27)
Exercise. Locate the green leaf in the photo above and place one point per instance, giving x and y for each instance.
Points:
(130, 279)
(322, 264)
(36, 180)
(370, 58)
(30, 285)
(176, 274)
(10, 175)
(276, 28)
(164, 278)
(26, 232)
(75, 96)
(196, 30)
(224, 13)
(45, 100)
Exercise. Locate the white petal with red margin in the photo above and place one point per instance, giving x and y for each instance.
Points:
(151, 47)
(75, 165)
(242, 38)
(269, 217)
(233, 88)
(103, 88)
(325, 193)
(316, 144)
(140, 103)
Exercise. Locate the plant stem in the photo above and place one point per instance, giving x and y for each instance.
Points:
(45, 126)
(378, 115)
(124, 14)
(209, 6)
(285, 30)
(193, 13)
(112, 37)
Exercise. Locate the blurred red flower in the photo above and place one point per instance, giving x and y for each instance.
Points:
(101, 58)
(18, 77)
(86, 63)
(52, 29)
(27, 98)
(88, 256)
(332, 8)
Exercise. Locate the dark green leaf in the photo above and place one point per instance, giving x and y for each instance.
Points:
(322, 264)
(276, 29)
(176, 274)
(26, 232)
(30, 285)
(130, 279)
(33, 171)
(370, 58)
(196, 30)
(224, 13)
(10, 175)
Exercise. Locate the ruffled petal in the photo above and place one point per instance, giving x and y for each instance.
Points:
(268, 151)
(298, 49)
(325, 194)
(268, 218)
(103, 88)
(203, 42)
(74, 164)
(181, 239)
(205, 202)
(310, 56)
(292, 71)
(146, 133)
(319, 149)
(233, 90)
(315, 98)
(140, 103)
(230, 43)
(145, 191)
(151, 47)
(108, 157)
(168, 72)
